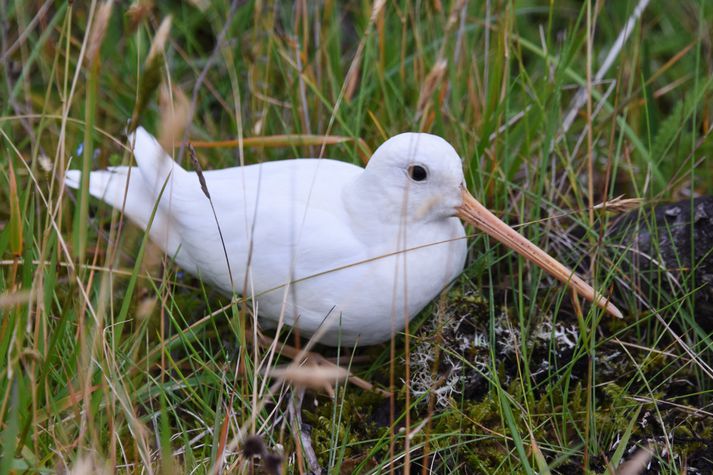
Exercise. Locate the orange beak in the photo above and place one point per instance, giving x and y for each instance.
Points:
(471, 211)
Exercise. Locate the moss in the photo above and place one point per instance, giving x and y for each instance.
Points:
(469, 429)
(473, 421)
(355, 425)
(697, 437)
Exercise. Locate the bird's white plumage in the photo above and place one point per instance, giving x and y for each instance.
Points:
(314, 241)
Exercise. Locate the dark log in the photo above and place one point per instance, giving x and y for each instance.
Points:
(666, 255)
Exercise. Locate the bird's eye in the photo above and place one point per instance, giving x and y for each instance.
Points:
(417, 173)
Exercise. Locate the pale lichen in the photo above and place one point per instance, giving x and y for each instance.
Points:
(455, 349)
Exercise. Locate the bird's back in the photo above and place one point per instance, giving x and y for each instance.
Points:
(273, 201)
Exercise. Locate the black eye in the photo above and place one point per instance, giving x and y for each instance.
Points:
(417, 173)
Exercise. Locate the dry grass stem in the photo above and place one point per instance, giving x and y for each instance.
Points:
(12, 299)
(619, 204)
(158, 45)
(637, 463)
(176, 114)
(308, 376)
(138, 11)
(430, 84)
(151, 78)
(99, 27)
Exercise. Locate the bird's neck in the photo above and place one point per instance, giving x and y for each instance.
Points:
(374, 215)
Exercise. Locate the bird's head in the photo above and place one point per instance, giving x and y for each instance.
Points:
(419, 178)
(419, 175)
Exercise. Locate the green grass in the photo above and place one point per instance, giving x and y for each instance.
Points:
(111, 356)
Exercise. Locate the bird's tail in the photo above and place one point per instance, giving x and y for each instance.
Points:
(154, 163)
(136, 190)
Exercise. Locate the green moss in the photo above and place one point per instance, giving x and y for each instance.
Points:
(474, 421)
(353, 425)
(470, 430)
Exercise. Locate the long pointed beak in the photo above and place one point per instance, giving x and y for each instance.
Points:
(479, 216)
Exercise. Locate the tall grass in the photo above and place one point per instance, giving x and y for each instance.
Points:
(112, 359)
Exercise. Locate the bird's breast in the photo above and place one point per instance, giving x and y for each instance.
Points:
(368, 295)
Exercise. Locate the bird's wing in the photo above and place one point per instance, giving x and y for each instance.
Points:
(153, 162)
(300, 265)
(263, 212)
(282, 219)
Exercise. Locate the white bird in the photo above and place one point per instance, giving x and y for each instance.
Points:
(319, 242)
